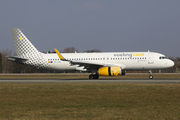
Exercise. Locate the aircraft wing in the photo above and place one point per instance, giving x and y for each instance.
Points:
(87, 64)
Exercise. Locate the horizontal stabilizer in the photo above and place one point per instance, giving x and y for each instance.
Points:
(16, 59)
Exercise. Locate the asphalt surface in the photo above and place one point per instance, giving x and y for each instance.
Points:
(94, 81)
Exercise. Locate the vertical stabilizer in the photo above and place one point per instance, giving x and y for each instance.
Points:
(26, 52)
(22, 45)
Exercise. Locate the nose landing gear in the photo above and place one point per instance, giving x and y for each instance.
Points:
(150, 74)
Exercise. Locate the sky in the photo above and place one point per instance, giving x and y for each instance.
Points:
(107, 25)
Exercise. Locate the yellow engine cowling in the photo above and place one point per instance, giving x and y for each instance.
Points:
(111, 71)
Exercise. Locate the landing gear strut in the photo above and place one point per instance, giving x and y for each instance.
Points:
(150, 74)
(93, 76)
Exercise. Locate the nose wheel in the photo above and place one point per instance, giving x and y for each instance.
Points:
(150, 74)
(150, 77)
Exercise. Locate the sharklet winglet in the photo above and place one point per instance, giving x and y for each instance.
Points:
(59, 55)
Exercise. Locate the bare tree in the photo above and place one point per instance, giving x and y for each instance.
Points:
(93, 50)
(7, 66)
(70, 50)
(0, 63)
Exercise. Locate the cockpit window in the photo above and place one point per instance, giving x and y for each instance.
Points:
(162, 57)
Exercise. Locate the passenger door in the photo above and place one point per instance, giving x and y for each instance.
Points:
(150, 59)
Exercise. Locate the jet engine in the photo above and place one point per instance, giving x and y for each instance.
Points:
(111, 71)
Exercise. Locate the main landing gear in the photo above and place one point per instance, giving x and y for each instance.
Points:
(93, 76)
(150, 74)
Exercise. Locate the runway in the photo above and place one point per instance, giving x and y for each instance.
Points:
(94, 81)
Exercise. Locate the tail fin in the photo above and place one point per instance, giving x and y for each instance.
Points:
(26, 52)
(24, 48)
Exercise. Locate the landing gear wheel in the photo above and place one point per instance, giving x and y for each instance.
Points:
(150, 74)
(91, 77)
(96, 76)
(150, 77)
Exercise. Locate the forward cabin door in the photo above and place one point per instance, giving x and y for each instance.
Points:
(150, 58)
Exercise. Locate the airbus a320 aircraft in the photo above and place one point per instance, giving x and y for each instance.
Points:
(106, 64)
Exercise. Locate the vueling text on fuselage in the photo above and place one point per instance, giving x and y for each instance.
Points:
(129, 55)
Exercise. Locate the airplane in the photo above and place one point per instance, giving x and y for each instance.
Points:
(99, 64)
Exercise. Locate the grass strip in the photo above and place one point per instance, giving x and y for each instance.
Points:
(89, 101)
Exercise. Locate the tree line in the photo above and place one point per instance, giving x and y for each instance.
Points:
(13, 67)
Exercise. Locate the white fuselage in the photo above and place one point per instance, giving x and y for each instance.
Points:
(126, 60)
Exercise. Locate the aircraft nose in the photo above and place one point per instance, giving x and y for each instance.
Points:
(170, 63)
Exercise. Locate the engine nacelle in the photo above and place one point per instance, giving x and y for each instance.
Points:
(111, 71)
